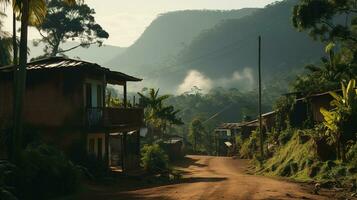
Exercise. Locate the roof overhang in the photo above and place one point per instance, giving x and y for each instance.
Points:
(58, 63)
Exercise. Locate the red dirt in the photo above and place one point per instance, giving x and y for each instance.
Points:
(210, 178)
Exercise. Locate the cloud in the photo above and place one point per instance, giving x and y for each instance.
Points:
(243, 80)
(195, 78)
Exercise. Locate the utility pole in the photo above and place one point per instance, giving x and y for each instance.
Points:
(260, 98)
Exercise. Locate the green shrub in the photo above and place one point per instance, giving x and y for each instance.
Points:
(239, 143)
(352, 155)
(249, 146)
(285, 136)
(154, 159)
(8, 178)
(46, 173)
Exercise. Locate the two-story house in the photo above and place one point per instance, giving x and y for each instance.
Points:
(65, 102)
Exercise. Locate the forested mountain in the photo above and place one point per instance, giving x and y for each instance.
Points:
(96, 54)
(169, 33)
(230, 48)
(224, 55)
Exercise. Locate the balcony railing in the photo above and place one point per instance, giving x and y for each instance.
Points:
(94, 117)
(108, 117)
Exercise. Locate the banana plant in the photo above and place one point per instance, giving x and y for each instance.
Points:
(341, 120)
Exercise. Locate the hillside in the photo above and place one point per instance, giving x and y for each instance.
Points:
(168, 34)
(96, 54)
(224, 55)
(230, 49)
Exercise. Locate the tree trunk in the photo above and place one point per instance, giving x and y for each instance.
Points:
(21, 83)
(338, 150)
(14, 42)
(343, 153)
(55, 49)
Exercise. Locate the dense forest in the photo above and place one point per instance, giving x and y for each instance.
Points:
(222, 51)
(180, 27)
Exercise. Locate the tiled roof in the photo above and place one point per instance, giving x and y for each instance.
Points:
(61, 63)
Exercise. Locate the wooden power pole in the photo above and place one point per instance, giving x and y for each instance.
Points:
(260, 98)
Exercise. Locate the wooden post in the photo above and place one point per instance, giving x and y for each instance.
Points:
(125, 95)
(260, 99)
(21, 84)
(107, 157)
(124, 152)
(134, 101)
(137, 159)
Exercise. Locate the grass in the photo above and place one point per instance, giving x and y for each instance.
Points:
(298, 160)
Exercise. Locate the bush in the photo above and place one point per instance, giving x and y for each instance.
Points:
(352, 155)
(45, 173)
(239, 143)
(285, 136)
(8, 178)
(154, 159)
(250, 146)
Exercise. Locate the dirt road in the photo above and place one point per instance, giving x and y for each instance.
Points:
(212, 178)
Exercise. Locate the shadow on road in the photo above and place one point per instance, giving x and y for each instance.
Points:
(104, 192)
(187, 162)
(152, 184)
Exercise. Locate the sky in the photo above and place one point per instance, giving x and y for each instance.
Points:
(126, 20)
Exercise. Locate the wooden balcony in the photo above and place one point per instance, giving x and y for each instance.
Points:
(114, 118)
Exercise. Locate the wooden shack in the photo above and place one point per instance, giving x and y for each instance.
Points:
(65, 103)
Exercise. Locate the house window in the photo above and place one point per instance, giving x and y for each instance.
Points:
(99, 96)
(100, 150)
(91, 146)
(88, 95)
(228, 132)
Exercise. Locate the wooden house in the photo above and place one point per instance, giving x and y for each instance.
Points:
(227, 132)
(225, 135)
(315, 102)
(65, 103)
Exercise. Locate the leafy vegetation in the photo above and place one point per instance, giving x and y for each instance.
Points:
(44, 172)
(315, 148)
(5, 44)
(69, 22)
(154, 159)
(340, 121)
(158, 114)
(196, 133)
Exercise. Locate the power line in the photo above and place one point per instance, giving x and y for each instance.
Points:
(217, 113)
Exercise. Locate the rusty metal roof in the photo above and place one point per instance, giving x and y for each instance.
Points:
(68, 63)
(242, 124)
(319, 95)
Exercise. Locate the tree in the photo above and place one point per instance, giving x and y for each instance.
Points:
(196, 132)
(64, 22)
(340, 121)
(329, 20)
(326, 76)
(5, 45)
(157, 114)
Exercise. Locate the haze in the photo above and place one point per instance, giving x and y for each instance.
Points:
(126, 20)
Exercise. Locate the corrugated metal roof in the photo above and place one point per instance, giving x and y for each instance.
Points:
(319, 95)
(54, 62)
(241, 124)
(61, 62)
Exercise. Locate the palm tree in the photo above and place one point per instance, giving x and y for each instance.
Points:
(5, 45)
(157, 115)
